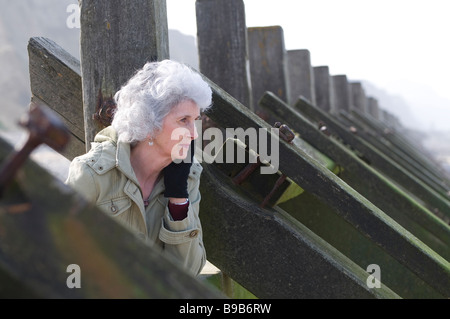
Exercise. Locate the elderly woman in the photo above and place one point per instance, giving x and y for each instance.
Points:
(133, 171)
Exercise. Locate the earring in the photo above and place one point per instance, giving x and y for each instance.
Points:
(150, 142)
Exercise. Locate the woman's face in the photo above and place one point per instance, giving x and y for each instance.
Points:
(178, 130)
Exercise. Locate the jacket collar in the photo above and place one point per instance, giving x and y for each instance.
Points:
(111, 154)
(123, 163)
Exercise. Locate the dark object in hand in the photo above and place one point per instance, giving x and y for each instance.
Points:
(176, 176)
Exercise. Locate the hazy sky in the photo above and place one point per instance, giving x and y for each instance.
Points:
(401, 46)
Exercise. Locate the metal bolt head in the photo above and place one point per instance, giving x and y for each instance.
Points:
(45, 126)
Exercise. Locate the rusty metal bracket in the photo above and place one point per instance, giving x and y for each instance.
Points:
(287, 135)
(246, 172)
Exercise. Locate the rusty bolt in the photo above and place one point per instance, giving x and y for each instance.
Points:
(44, 127)
(285, 132)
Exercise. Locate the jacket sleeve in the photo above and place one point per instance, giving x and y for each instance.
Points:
(184, 239)
(81, 179)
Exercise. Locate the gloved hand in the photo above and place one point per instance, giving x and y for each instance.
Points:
(176, 176)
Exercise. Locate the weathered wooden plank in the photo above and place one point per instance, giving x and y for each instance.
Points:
(45, 227)
(356, 209)
(408, 161)
(116, 40)
(55, 80)
(367, 181)
(382, 162)
(389, 135)
(271, 254)
(413, 160)
(403, 144)
(395, 140)
(325, 222)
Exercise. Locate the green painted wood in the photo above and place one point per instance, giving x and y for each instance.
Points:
(378, 160)
(325, 222)
(398, 154)
(271, 254)
(401, 143)
(352, 206)
(368, 181)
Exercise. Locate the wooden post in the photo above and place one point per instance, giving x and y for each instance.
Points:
(117, 38)
(372, 107)
(268, 64)
(358, 97)
(323, 85)
(222, 46)
(301, 76)
(342, 93)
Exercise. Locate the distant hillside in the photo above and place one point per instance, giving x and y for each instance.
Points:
(20, 20)
(183, 48)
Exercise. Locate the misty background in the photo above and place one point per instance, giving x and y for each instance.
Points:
(20, 20)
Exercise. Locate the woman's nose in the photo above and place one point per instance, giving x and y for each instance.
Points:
(193, 132)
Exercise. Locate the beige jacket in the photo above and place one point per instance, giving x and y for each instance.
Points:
(105, 177)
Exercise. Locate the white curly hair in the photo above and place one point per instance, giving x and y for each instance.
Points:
(146, 99)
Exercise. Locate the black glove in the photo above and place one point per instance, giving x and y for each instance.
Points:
(176, 177)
